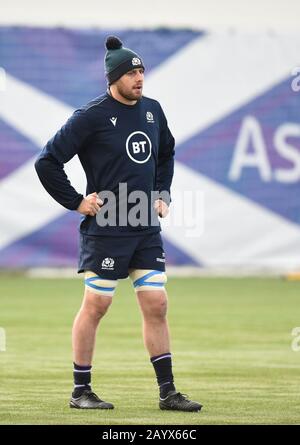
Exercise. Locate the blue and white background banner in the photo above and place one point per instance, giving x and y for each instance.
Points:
(233, 103)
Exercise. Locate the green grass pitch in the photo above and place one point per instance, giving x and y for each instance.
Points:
(231, 345)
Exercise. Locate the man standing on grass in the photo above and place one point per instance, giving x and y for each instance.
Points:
(127, 152)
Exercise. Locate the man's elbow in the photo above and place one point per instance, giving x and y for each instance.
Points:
(43, 167)
(38, 166)
(43, 164)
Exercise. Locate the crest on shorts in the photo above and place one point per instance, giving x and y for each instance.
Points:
(108, 264)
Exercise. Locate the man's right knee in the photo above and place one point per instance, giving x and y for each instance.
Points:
(98, 294)
(95, 305)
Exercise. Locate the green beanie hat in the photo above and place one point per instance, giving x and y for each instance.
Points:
(119, 60)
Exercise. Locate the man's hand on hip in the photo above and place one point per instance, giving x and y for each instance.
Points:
(161, 208)
(90, 205)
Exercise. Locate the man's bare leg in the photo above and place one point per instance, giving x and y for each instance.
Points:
(156, 335)
(94, 307)
(153, 304)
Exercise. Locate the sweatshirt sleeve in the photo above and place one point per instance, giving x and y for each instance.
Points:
(165, 163)
(49, 165)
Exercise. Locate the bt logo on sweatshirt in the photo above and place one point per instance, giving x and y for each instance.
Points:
(138, 147)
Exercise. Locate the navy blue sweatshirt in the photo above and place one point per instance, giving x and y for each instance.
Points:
(116, 143)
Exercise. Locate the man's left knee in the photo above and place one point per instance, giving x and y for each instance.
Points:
(154, 305)
(146, 279)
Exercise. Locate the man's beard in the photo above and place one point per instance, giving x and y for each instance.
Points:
(129, 95)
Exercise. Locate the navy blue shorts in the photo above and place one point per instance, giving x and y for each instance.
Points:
(111, 257)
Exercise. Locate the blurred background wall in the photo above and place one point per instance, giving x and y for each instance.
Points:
(227, 74)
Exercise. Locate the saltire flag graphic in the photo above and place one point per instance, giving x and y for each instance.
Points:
(233, 103)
